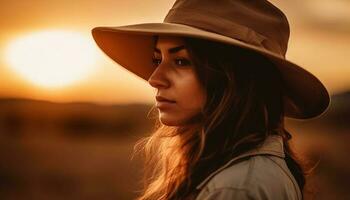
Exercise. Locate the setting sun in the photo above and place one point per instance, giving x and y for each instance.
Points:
(52, 58)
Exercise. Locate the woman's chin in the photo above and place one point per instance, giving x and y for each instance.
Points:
(170, 120)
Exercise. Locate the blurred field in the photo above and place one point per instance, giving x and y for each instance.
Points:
(69, 151)
(83, 151)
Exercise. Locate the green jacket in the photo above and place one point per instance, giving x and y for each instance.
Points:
(263, 175)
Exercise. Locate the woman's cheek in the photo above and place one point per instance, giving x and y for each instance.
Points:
(190, 93)
(194, 98)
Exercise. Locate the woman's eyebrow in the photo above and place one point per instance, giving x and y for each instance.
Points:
(172, 50)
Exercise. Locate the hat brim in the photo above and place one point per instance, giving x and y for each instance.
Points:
(132, 46)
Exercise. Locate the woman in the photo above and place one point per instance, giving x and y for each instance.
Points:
(223, 89)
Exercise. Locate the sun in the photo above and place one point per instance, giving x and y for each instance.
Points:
(52, 58)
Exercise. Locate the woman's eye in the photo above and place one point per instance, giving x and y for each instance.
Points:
(156, 61)
(182, 62)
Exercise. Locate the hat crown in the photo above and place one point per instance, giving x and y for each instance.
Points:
(256, 22)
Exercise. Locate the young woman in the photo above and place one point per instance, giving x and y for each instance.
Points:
(223, 88)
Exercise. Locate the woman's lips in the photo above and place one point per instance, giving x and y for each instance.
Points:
(165, 104)
(161, 98)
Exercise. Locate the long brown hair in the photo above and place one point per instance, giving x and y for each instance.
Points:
(244, 105)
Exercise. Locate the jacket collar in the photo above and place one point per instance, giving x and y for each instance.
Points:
(273, 145)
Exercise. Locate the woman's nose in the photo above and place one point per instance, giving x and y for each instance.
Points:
(158, 78)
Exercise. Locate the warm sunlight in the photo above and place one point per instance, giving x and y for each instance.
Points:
(52, 58)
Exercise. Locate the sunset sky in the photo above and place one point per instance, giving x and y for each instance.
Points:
(319, 41)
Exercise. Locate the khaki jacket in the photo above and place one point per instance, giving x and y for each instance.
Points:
(263, 175)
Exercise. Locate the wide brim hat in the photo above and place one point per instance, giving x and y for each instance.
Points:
(258, 26)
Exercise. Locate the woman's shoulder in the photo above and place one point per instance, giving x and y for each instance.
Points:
(254, 177)
(253, 172)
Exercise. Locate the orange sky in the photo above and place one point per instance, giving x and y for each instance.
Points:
(319, 41)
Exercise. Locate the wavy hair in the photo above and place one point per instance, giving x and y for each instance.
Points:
(244, 106)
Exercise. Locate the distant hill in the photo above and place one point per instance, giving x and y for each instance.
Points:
(341, 102)
(18, 115)
(339, 110)
(337, 115)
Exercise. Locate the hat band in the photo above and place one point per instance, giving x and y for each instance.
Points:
(222, 26)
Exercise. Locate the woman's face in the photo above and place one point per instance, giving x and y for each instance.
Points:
(175, 79)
